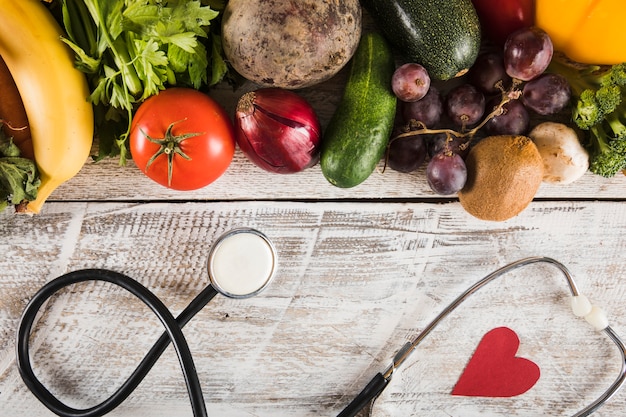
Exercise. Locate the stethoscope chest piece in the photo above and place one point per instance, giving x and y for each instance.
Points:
(241, 263)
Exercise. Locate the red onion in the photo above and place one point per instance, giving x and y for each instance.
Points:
(277, 130)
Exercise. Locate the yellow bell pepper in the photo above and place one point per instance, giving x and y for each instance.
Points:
(587, 31)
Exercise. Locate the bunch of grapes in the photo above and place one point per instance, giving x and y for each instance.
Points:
(497, 96)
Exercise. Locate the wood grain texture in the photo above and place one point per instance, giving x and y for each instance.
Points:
(355, 281)
(243, 180)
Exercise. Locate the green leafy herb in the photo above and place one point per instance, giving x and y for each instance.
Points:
(19, 180)
(132, 49)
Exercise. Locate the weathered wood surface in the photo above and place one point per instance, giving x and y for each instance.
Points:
(355, 281)
(129, 184)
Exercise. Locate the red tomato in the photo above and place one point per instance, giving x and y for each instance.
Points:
(500, 18)
(182, 139)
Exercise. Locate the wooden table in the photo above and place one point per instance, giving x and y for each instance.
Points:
(361, 271)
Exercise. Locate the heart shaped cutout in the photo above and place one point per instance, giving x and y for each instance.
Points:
(494, 370)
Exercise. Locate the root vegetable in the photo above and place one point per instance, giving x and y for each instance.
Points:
(564, 158)
(278, 130)
(503, 175)
(290, 44)
(12, 113)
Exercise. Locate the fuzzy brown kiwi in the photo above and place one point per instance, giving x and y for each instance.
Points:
(503, 175)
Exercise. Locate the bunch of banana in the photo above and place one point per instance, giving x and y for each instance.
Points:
(54, 92)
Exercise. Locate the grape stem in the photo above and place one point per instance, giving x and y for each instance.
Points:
(415, 127)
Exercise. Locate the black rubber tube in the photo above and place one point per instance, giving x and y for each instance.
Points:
(369, 394)
(173, 333)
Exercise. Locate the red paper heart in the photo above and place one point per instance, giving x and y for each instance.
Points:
(494, 370)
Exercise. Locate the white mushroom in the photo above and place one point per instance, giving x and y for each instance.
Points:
(565, 160)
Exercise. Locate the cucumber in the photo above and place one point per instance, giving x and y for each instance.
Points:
(358, 132)
(442, 35)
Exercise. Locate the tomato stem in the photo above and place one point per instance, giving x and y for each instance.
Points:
(169, 146)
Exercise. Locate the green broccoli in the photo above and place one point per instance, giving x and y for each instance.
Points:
(599, 107)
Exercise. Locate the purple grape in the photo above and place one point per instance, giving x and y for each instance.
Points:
(465, 105)
(428, 110)
(514, 120)
(446, 173)
(407, 154)
(488, 74)
(547, 94)
(442, 142)
(410, 82)
(527, 53)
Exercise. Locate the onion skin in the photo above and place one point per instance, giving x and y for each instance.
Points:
(278, 130)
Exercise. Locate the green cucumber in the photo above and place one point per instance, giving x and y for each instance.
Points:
(441, 35)
(356, 137)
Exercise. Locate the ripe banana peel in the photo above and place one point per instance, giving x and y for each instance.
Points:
(54, 92)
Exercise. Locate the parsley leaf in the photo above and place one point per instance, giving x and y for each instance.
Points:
(132, 49)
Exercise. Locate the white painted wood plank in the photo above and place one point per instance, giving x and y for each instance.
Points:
(355, 282)
(105, 180)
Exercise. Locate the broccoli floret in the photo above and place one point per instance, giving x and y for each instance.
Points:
(616, 124)
(593, 106)
(599, 107)
(586, 111)
(617, 75)
(609, 156)
(607, 143)
(608, 98)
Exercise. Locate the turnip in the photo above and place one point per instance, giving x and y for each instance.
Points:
(564, 158)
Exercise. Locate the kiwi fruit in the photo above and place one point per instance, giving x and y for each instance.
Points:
(504, 173)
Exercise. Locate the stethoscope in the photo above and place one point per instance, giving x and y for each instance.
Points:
(241, 263)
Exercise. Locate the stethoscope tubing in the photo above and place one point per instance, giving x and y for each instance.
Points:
(406, 351)
(619, 382)
(380, 381)
(173, 333)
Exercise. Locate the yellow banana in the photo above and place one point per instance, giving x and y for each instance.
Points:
(54, 92)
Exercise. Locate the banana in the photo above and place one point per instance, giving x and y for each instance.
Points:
(54, 92)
